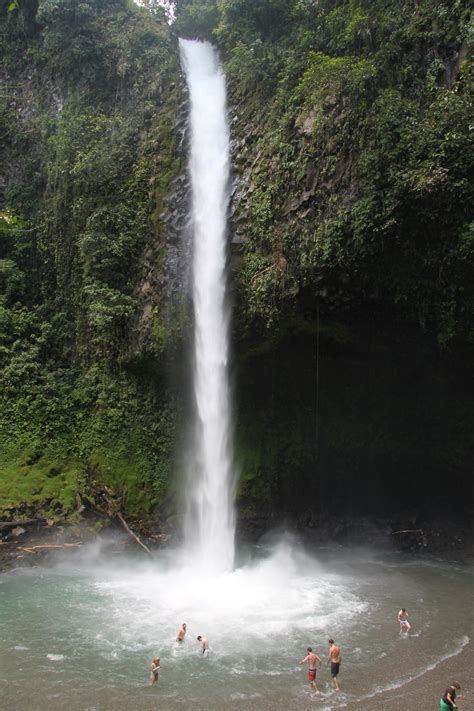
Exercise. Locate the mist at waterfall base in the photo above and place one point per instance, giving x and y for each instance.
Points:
(81, 634)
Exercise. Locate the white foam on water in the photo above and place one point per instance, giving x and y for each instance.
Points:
(55, 657)
(269, 599)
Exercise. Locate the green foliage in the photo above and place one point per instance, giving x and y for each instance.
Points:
(196, 18)
(358, 166)
(88, 425)
(10, 222)
(336, 76)
(265, 20)
(79, 211)
(29, 481)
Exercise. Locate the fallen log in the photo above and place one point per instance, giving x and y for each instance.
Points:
(32, 549)
(131, 533)
(112, 510)
(408, 530)
(5, 525)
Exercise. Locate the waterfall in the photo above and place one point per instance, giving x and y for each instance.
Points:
(209, 520)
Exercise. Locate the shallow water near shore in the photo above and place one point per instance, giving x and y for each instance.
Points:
(81, 634)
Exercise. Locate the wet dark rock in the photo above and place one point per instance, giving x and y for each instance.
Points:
(18, 531)
(429, 537)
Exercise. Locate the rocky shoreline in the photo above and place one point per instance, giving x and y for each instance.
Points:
(31, 542)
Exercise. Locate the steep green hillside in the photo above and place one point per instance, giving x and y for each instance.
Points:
(354, 148)
(87, 113)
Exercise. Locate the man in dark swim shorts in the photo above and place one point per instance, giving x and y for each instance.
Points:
(335, 657)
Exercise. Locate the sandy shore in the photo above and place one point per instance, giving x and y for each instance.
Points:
(423, 694)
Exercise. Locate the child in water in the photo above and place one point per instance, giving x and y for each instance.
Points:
(155, 671)
(405, 626)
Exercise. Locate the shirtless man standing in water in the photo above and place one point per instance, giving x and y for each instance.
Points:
(335, 657)
(203, 643)
(181, 633)
(312, 658)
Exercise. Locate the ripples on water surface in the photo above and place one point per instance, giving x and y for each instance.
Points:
(82, 635)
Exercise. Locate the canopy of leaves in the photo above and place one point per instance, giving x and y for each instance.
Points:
(359, 116)
(85, 116)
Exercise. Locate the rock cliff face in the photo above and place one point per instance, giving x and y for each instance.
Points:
(346, 405)
(351, 252)
(350, 238)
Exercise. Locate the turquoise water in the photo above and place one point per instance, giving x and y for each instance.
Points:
(81, 635)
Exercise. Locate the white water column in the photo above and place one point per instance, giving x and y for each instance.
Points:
(209, 522)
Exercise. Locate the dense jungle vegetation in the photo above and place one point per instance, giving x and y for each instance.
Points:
(352, 241)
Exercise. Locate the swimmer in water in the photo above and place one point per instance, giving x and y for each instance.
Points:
(311, 658)
(203, 643)
(155, 671)
(181, 633)
(405, 626)
(335, 658)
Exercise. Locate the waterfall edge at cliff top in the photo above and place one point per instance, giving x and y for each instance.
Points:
(209, 528)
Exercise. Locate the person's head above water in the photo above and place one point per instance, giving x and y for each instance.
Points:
(331, 641)
(199, 638)
(404, 609)
(309, 649)
(156, 660)
(456, 685)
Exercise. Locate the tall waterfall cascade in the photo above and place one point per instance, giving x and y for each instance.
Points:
(209, 522)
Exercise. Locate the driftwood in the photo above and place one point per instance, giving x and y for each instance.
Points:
(408, 530)
(131, 533)
(111, 507)
(33, 549)
(5, 525)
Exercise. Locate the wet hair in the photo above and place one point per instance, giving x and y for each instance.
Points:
(184, 624)
(309, 649)
(331, 641)
(456, 684)
(156, 659)
(404, 609)
(199, 638)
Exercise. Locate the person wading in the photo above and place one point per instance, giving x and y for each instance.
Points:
(203, 643)
(155, 671)
(335, 659)
(405, 626)
(312, 658)
(181, 633)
